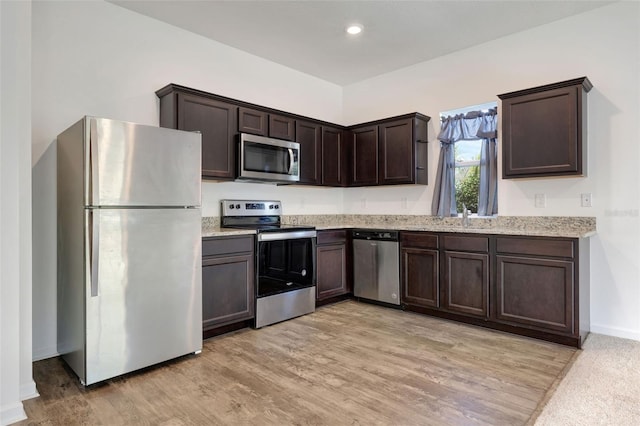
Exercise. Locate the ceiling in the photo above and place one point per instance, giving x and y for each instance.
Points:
(309, 36)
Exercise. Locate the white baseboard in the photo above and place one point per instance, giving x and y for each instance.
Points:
(12, 413)
(28, 390)
(616, 332)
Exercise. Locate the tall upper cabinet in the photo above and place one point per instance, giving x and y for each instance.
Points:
(544, 130)
(186, 109)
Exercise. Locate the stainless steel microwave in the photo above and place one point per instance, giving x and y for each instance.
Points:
(262, 159)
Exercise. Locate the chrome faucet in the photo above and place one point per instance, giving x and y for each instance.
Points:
(465, 216)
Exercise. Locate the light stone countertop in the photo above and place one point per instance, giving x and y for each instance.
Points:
(546, 226)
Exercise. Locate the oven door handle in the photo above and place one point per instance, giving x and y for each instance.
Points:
(288, 235)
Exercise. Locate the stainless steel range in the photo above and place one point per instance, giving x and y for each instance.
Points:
(285, 259)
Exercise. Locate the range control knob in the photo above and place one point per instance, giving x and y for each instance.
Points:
(232, 206)
(270, 206)
(237, 206)
(277, 206)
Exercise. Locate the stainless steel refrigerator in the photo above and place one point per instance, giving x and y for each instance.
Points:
(129, 246)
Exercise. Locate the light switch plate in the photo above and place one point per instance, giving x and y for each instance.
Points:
(540, 201)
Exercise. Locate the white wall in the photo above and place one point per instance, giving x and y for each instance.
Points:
(16, 382)
(604, 45)
(95, 58)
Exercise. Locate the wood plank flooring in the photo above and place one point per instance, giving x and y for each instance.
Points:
(346, 364)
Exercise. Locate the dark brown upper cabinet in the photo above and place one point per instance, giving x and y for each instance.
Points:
(334, 157)
(309, 136)
(402, 151)
(216, 120)
(263, 123)
(544, 130)
(253, 121)
(382, 152)
(282, 127)
(390, 151)
(364, 155)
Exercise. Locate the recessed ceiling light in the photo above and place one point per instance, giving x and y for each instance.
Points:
(354, 29)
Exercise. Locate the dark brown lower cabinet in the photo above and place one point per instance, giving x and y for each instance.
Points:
(227, 281)
(536, 283)
(332, 259)
(465, 274)
(466, 283)
(419, 270)
(534, 286)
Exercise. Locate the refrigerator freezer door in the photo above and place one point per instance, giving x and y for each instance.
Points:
(147, 302)
(136, 165)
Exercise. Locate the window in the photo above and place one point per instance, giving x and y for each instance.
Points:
(467, 163)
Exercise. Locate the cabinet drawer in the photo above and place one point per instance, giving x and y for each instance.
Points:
(419, 240)
(536, 247)
(332, 236)
(465, 243)
(216, 246)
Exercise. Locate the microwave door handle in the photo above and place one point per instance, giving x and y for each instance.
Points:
(291, 158)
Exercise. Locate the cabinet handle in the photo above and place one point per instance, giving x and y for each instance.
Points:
(420, 168)
(421, 141)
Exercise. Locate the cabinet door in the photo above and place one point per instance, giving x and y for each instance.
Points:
(333, 157)
(542, 130)
(535, 292)
(396, 162)
(216, 122)
(309, 136)
(364, 154)
(466, 283)
(332, 271)
(252, 121)
(420, 278)
(227, 290)
(282, 127)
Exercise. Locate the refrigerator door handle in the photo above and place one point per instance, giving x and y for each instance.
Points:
(94, 251)
(93, 158)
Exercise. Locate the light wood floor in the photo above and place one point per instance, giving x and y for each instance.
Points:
(346, 364)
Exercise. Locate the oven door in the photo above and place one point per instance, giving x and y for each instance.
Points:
(286, 261)
(268, 159)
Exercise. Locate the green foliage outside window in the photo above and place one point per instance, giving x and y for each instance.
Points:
(467, 188)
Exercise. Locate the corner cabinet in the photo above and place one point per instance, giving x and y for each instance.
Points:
(228, 281)
(390, 151)
(333, 264)
(544, 130)
(214, 119)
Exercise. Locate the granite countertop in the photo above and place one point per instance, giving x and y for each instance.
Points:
(546, 226)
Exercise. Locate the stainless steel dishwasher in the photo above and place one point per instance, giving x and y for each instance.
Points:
(376, 265)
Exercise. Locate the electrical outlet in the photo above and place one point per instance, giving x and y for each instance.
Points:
(585, 199)
(540, 201)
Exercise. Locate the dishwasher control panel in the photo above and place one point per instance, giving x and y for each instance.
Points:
(375, 235)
